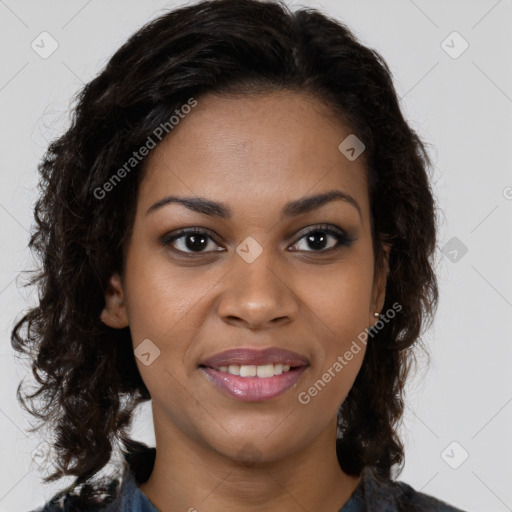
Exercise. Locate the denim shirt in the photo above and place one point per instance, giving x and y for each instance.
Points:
(371, 495)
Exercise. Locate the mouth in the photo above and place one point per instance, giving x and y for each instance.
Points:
(254, 375)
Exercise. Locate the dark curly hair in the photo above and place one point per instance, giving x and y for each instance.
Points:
(88, 381)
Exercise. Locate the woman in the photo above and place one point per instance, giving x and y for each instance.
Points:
(239, 226)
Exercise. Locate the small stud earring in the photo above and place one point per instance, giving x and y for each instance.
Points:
(376, 314)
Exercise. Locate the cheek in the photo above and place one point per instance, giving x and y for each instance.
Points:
(341, 298)
(166, 305)
(159, 323)
(340, 307)
(161, 297)
(156, 310)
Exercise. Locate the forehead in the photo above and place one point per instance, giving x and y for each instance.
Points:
(254, 149)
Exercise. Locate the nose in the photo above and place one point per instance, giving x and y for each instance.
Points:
(257, 295)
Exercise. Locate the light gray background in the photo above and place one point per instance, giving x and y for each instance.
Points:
(462, 107)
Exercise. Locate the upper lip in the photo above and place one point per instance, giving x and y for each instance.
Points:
(257, 357)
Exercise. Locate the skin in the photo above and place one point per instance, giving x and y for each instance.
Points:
(254, 153)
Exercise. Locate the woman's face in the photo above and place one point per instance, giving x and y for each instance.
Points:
(254, 273)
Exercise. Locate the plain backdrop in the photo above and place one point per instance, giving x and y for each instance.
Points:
(457, 426)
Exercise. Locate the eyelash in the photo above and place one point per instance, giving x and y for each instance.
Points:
(343, 240)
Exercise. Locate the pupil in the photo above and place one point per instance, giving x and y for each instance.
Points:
(193, 242)
(311, 238)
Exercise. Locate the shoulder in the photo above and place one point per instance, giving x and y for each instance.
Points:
(418, 501)
(113, 502)
(123, 492)
(396, 496)
(73, 503)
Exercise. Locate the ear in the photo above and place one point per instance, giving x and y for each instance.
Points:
(114, 313)
(379, 286)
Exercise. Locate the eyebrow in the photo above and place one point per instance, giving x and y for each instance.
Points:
(291, 209)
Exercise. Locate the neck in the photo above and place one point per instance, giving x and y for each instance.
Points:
(191, 476)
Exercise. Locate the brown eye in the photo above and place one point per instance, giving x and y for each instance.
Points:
(321, 238)
(190, 241)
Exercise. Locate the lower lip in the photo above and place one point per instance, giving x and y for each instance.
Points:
(254, 389)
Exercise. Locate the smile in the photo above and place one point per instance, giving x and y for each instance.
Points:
(251, 387)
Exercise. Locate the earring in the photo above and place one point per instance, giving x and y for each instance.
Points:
(376, 314)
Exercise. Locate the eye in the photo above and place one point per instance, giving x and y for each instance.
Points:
(190, 241)
(317, 238)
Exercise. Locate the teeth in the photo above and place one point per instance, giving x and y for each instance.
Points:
(248, 371)
(263, 371)
(234, 369)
